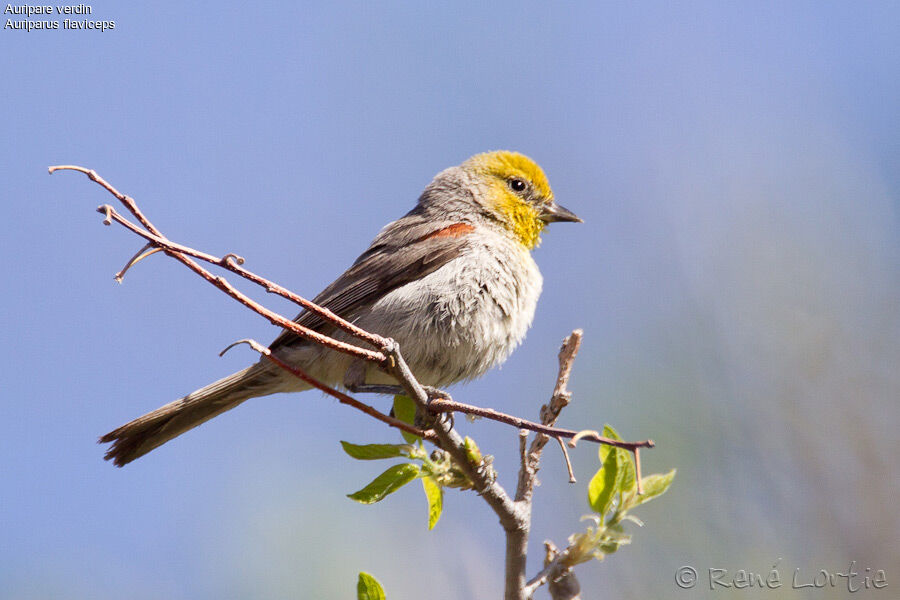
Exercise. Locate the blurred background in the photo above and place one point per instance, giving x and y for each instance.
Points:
(736, 278)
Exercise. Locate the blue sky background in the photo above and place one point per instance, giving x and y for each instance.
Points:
(736, 277)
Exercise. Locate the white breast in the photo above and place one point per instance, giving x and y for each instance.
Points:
(466, 317)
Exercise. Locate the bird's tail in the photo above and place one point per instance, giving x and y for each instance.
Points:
(140, 436)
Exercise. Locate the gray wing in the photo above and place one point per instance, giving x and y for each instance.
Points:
(401, 253)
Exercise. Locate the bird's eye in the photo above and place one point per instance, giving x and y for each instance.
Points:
(517, 185)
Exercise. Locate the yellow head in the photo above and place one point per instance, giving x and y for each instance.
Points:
(520, 193)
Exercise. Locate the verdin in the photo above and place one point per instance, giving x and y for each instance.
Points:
(453, 282)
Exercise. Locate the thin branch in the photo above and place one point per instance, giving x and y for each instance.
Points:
(129, 202)
(549, 414)
(523, 446)
(562, 446)
(144, 252)
(182, 252)
(441, 402)
(338, 395)
(230, 261)
(637, 471)
(448, 405)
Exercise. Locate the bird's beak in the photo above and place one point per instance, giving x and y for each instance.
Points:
(553, 212)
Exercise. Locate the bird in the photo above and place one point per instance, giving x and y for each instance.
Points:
(453, 282)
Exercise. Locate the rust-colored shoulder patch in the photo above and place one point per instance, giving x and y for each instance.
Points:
(456, 230)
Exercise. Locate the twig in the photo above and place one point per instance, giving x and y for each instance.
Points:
(182, 253)
(448, 405)
(441, 402)
(140, 255)
(338, 395)
(523, 446)
(637, 471)
(549, 414)
(230, 261)
(562, 446)
(126, 200)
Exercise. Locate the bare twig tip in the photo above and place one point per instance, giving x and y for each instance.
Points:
(252, 343)
(140, 255)
(55, 168)
(637, 472)
(562, 446)
(232, 257)
(107, 210)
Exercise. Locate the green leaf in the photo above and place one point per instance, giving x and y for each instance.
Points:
(387, 483)
(603, 452)
(609, 432)
(368, 588)
(654, 485)
(405, 410)
(435, 495)
(626, 462)
(604, 484)
(375, 451)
